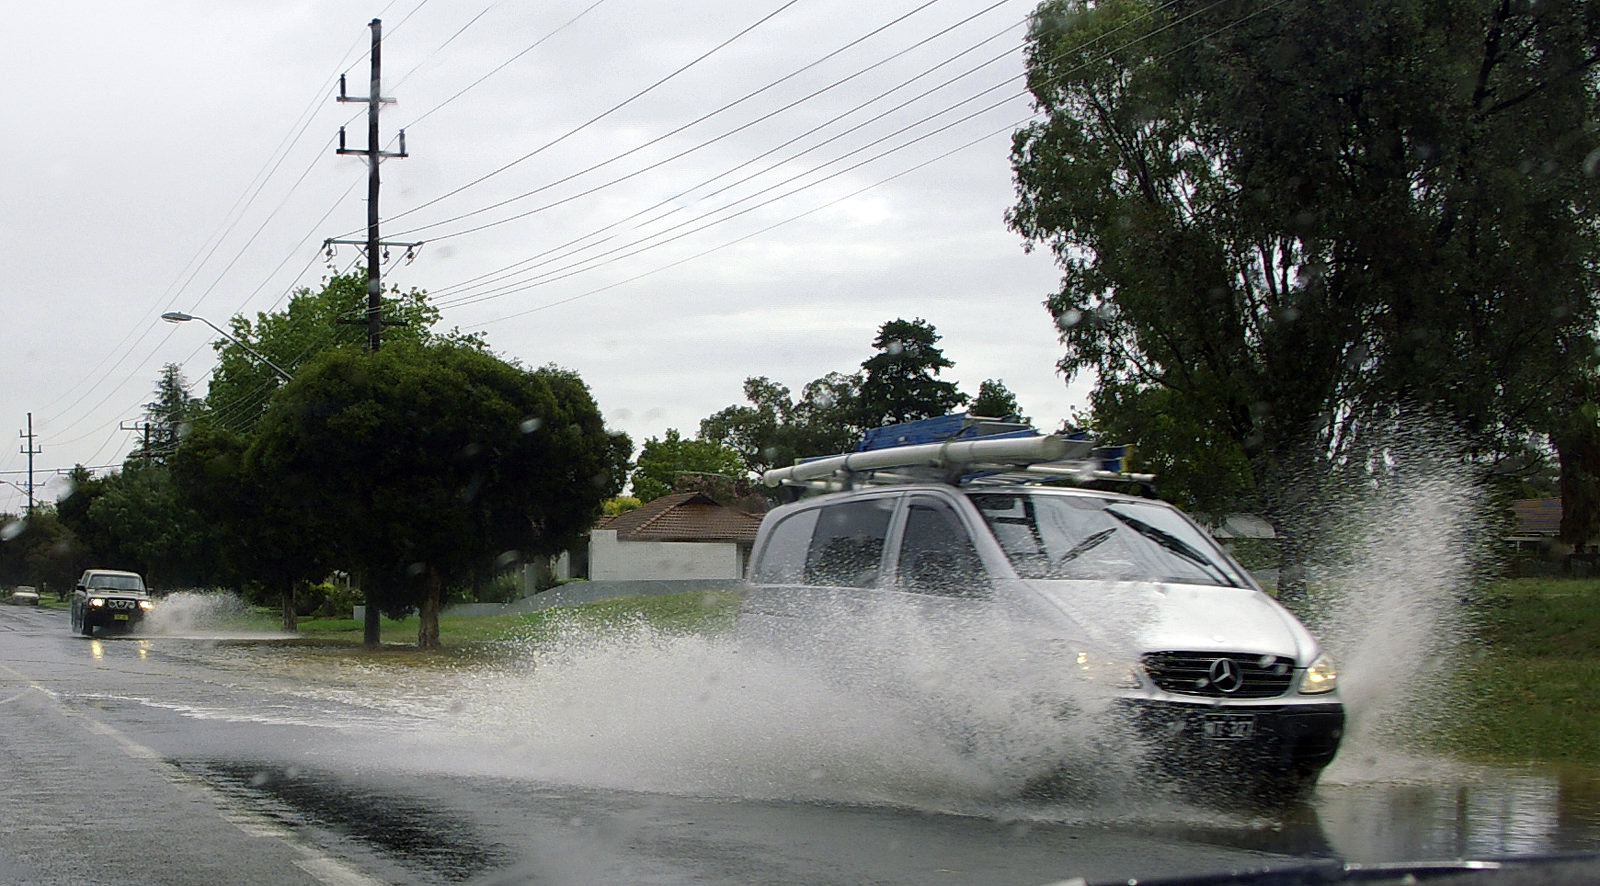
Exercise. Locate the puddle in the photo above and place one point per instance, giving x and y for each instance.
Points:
(1480, 814)
(409, 830)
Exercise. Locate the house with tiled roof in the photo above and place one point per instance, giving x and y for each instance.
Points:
(679, 537)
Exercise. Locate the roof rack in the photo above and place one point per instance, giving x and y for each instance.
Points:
(962, 449)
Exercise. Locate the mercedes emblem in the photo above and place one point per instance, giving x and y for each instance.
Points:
(1226, 676)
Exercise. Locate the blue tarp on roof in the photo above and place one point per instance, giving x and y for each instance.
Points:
(956, 426)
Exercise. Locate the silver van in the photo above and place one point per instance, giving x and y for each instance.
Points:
(1209, 672)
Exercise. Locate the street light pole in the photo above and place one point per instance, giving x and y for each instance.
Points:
(181, 317)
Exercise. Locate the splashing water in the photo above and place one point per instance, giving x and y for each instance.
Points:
(1395, 618)
(961, 719)
(201, 613)
(920, 725)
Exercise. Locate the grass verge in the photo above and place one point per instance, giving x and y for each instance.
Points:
(1527, 689)
(670, 613)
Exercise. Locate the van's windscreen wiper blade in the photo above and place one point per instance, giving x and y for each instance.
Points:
(1175, 545)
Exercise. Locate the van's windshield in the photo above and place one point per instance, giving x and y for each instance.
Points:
(1086, 537)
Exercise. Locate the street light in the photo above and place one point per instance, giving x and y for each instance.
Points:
(25, 490)
(181, 317)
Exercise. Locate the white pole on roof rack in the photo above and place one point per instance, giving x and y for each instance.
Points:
(952, 454)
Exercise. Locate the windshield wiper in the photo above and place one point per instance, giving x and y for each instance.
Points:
(1175, 545)
(1088, 544)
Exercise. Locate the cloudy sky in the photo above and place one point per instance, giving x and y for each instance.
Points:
(665, 197)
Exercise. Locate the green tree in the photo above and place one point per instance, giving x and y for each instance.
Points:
(169, 415)
(72, 509)
(664, 464)
(433, 459)
(775, 429)
(264, 543)
(995, 400)
(754, 431)
(132, 518)
(1197, 467)
(145, 528)
(1407, 230)
(619, 505)
(38, 549)
(311, 323)
(900, 382)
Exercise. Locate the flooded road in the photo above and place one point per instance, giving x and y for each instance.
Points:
(636, 757)
(1461, 812)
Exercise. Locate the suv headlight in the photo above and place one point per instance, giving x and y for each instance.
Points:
(97, 601)
(146, 605)
(1320, 677)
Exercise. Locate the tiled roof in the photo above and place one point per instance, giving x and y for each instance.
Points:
(1538, 516)
(683, 516)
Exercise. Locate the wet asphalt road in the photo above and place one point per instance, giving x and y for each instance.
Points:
(177, 760)
(121, 767)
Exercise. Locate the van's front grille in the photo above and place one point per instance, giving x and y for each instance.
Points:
(1221, 674)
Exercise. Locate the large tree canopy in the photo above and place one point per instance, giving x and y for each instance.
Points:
(428, 461)
(312, 322)
(1305, 220)
(37, 549)
(263, 542)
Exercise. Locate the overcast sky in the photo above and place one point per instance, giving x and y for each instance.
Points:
(665, 197)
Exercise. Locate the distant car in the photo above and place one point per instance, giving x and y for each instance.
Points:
(24, 595)
(109, 598)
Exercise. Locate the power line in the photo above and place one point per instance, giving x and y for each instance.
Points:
(745, 237)
(258, 189)
(572, 269)
(698, 120)
(669, 201)
(123, 350)
(904, 129)
(498, 68)
(660, 234)
(606, 113)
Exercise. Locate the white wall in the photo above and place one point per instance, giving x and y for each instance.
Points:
(611, 560)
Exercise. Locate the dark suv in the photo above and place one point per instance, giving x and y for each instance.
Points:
(108, 598)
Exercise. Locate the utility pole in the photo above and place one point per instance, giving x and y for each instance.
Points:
(143, 427)
(375, 101)
(370, 630)
(30, 451)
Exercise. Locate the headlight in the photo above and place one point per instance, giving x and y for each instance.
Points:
(97, 601)
(1107, 670)
(146, 605)
(1320, 677)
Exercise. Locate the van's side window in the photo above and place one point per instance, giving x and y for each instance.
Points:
(936, 553)
(783, 561)
(847, 547)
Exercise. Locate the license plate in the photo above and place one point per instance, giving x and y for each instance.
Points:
(121, 616)
(1228, 727)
